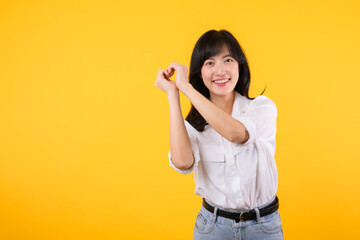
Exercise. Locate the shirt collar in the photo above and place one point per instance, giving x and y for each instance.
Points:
(240, 104)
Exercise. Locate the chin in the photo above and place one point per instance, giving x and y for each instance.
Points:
(221, 93)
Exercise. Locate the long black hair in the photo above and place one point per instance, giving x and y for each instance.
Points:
(208, 45)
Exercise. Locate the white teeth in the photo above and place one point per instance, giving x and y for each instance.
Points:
(222, 81)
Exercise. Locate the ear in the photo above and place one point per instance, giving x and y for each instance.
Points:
(200, 76)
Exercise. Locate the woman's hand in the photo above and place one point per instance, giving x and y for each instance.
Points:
(181, 74)
(164, 83)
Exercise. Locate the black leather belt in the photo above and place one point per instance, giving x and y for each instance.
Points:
(246, 215)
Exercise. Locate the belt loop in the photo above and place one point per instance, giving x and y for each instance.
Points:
(215, 214)
(257, 214)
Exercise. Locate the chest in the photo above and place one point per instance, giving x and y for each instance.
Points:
(215, 148)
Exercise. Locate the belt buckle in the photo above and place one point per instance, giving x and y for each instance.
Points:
(241, 214)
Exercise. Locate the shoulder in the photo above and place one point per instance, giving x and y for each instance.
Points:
(262, 100)
(246, 104)
(262, 104)
(190, 129)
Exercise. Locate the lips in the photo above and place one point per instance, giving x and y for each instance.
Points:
(221, 80)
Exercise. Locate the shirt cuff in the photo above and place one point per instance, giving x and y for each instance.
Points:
(195, 151)
(250, 127)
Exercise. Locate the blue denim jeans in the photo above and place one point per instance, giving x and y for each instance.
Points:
(210, 226)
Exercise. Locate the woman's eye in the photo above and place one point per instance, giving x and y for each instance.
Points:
(208, 63)
(229, 59)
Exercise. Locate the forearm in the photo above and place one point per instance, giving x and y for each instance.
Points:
(180, 145)
(222, 122)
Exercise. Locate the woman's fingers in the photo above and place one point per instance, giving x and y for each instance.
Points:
(172, 67)
(181, 73)
(160, 77)
(175, 66)
(161, 73)
(169, 73)
(165, 74)
(163, 82)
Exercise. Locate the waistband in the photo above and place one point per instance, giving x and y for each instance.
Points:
(245, 215)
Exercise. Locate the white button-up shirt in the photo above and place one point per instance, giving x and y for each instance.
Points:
(230, 175)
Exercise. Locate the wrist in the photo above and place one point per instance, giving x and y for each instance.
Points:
(185, 87)
(173, 95)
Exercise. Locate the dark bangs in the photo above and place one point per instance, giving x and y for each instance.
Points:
(212, 43)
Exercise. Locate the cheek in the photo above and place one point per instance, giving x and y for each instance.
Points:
(206, 75)
(203, 73)
(236, 73)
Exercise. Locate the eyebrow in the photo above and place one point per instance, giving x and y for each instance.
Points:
(229, 55)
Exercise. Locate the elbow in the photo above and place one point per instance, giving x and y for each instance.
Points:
(183, 164)
(240, 138)
(183, 167)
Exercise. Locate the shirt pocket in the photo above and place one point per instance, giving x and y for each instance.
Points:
(211, 153)
(238, 148)
(246, 162)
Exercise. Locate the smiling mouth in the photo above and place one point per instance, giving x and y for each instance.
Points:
(222, 81)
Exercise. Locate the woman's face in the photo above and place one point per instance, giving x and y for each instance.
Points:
(220, 73)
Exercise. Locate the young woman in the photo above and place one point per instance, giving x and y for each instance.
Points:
(228, 139)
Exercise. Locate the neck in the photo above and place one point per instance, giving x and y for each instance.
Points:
(225, 102)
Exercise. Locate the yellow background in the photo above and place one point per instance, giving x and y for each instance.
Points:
(84, 131)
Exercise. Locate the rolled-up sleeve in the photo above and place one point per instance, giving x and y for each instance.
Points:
(195, 149)
(260, 120)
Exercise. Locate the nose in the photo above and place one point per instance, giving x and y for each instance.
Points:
(220, 68)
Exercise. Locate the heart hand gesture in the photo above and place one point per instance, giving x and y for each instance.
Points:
(167, 85)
